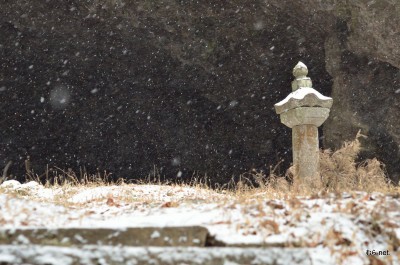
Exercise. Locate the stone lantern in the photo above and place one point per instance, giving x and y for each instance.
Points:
(304, 110)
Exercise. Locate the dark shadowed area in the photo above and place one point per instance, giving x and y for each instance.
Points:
(188, 87)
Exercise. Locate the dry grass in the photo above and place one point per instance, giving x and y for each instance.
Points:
(151, 191)
(339, 173)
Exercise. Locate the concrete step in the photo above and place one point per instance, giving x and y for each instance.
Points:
(184, 236)
(115, 255)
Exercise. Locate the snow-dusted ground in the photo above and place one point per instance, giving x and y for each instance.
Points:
(161, 256)
(338, 229)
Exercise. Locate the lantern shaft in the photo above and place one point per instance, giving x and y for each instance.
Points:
(305, 150)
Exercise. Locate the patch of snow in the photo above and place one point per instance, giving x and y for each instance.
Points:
(341, 222)
(32, 185)
(9, 259)
(300, 65)
(155, 234)
(182, 239)
(96, 193)
(23, 240)
(196, 241)
(80, 239)
(10, 184)
(53, 258)
(301, 93)
(176, 255)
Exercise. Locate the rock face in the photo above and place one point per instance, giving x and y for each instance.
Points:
(188, 87)
(363, 57)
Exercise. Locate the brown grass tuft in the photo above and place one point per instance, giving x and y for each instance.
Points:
(340, 171)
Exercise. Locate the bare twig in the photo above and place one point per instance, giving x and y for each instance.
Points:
(5, 170)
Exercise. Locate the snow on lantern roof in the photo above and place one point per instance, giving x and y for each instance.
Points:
(303, 94)
(303, 97)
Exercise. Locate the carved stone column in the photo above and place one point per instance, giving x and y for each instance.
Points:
(304, 110)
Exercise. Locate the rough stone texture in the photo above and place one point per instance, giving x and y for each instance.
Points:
(189, 86)
(306, 152)
(163, 256)
(362, 54)
(190, 236)
(366, 98)
(304, 115)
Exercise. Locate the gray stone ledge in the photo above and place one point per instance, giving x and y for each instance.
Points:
(137, 236)
(162, 256)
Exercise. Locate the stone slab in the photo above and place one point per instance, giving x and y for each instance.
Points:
(162, 255)
(139, 236)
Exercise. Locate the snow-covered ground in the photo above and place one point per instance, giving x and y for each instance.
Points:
(339, 229)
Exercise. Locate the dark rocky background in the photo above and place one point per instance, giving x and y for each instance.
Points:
(189, 86)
